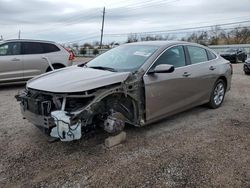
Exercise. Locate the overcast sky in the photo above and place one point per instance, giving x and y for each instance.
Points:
(76, 20)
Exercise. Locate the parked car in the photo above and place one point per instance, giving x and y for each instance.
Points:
(136, 83)
(246, 66)
(234, 55)
(21, 60)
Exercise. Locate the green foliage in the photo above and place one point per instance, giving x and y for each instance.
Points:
(95, 51)
(83, 51)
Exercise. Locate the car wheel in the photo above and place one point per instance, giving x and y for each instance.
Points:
(55, 67)
(218, 94)
(243, 60)
(236, 60)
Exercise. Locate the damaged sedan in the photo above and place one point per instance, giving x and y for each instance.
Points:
(137, 84)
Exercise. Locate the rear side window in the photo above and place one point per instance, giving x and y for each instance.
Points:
(197, 54)
(48, 48)
(32, 48)
(11, 48)
(211, 55)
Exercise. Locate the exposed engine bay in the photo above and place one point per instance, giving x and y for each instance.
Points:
(69, 116)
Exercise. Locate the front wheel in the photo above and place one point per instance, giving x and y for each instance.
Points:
(218, 94)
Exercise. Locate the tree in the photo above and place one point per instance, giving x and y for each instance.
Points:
(133, 37)
(215, 35)
(87, 45)
(241, 36)
(95, 51)
(201, 38)
(83, 51)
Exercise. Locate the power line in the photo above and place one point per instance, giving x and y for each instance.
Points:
(182, 29)
(82, 39)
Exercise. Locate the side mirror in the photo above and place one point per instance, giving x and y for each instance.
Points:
(163, 68)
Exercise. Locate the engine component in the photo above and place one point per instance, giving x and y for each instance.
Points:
(64, 130)
(114, 123)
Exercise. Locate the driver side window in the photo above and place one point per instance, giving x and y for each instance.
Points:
(174, 56)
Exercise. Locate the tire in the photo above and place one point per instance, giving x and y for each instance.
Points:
(247, 73)
(236, 60)
(244, 59)
(57, 66)
(218, 94)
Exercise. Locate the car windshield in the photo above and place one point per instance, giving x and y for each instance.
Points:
(123, 58)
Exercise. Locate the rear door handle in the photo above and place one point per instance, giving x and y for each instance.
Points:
(15, 59)
(212, 68)
(186, 74)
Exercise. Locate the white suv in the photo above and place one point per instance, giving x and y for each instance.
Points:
(21, 60)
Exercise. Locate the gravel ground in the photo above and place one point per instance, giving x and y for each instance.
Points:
(197, 148)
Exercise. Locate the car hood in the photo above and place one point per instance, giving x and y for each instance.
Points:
(75, 79)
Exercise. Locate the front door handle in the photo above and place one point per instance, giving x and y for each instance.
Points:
(186, 74)
(15, 59)
(212, 68)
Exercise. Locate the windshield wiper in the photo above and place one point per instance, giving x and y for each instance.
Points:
(104, 68)
(82, 65)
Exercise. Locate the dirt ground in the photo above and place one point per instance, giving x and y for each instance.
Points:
(197, 148)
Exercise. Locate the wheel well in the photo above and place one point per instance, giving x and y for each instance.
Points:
(224, 79)
(123, 104)
(55, 65)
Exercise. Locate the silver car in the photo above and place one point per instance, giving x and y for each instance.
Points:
(136, 84)
(21, 60)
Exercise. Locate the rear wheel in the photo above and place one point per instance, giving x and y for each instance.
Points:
(218, 94)
(236, 59)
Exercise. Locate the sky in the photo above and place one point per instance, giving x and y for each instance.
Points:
(78, 21)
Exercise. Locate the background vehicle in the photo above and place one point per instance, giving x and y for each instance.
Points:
(137, 83)
(246, 66)
(234, 55)
(21, 60)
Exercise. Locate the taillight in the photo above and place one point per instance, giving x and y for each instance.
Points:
(71, 54)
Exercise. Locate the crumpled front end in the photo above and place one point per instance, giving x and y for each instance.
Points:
(54, 113)
(69, 116)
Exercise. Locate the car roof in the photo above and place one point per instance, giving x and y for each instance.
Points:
(27, 40)
(162, 43)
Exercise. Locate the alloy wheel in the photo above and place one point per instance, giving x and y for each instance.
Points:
(219, 93)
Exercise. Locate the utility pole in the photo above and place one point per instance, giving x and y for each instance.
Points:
(19, 34)
(1, 37)
(103, 18)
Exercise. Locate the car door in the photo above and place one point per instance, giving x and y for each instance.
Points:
(168, 93)
(33, 62)
(203, 70)
(11, 64)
